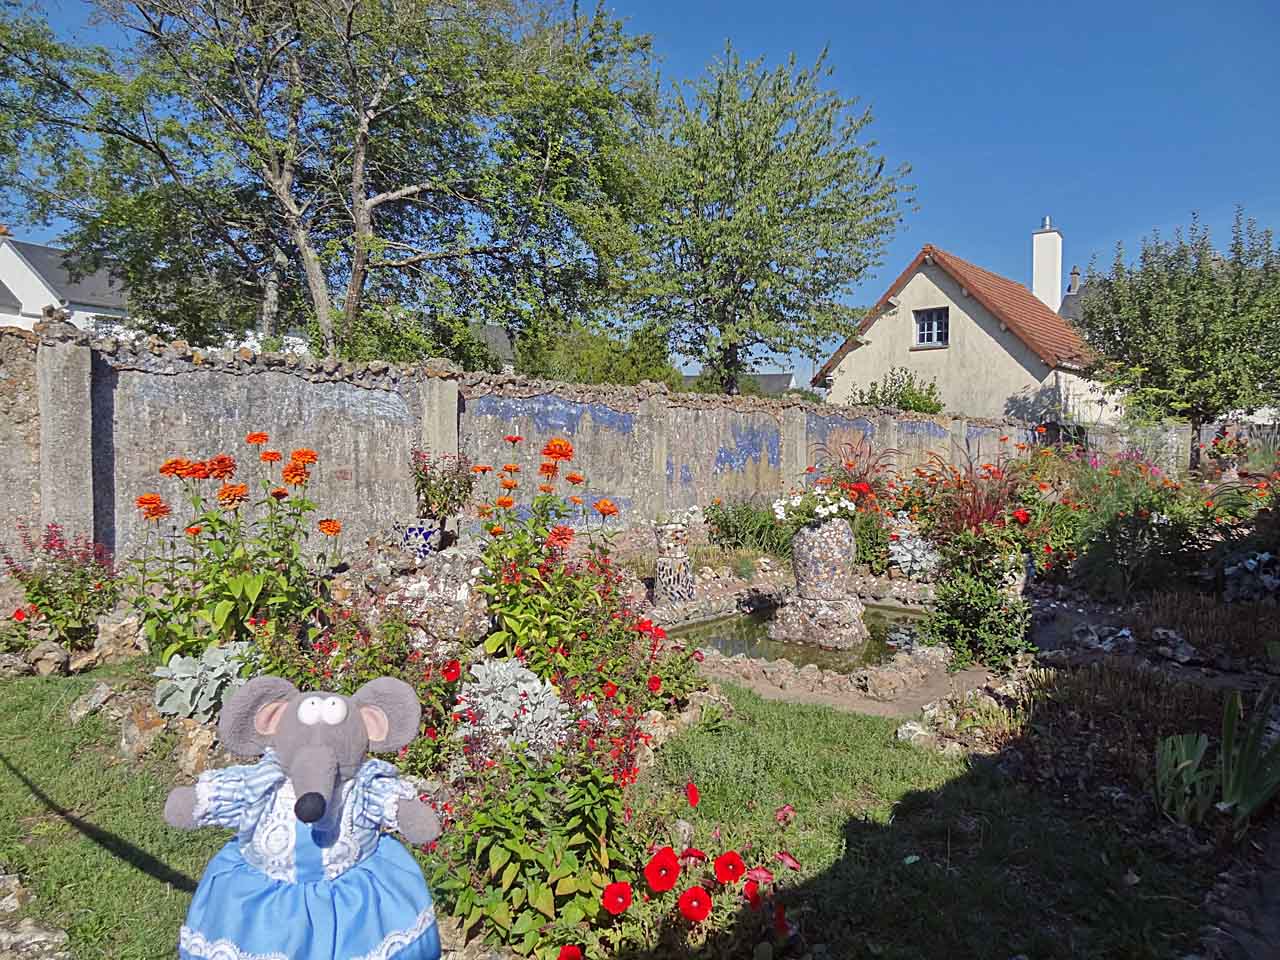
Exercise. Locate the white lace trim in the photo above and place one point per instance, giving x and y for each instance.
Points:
(393, 942)
(195, 943)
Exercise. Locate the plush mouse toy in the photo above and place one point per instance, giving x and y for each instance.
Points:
(310, 874)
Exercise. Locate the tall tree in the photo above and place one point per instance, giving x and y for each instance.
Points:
(474, 152)
(773, 205)
(1186, 331)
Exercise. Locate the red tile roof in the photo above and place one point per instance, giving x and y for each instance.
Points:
(1046, 334)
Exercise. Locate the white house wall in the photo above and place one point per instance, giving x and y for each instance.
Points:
(33, 293)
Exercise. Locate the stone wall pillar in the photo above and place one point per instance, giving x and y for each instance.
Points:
(795, 446)
(439, 395)
(64, 379)
(650, 496)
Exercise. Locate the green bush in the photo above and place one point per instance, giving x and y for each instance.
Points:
(979, 620)
(744, 524)
(872, 537)
(900, 389)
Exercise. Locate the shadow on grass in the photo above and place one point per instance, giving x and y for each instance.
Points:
(983, 866)
(116, 846)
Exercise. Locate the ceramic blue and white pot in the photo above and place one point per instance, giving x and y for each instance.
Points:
(420, 537)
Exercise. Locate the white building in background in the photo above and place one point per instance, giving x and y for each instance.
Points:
(33, 276)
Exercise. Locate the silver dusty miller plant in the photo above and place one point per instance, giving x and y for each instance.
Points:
(1252, 578)
(511, 704)
(910, 552)
(196, 687)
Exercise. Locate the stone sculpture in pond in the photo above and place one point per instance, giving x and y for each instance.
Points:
(311, 874)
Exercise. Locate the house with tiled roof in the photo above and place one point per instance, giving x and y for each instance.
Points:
(994, 347)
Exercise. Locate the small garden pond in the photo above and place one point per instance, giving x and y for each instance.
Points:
(748, 634)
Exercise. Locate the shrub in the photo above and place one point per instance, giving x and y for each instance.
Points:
(900, 389)
(507, 702)
(910, 552)
(978, 619)
(872, 537)
(443, 483)
(747, 525)
(233, 565)
(197, 686)
(68, 585)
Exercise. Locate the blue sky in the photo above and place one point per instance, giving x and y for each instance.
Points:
(1114, 118)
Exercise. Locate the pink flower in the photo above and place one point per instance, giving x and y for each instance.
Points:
(788, 860)
(785, 814)
(760, 875)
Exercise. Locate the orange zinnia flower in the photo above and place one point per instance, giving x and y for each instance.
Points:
(173, 467)
(256, 439)
(496, 530)
(152, 506)
(303, 456)
(511, 467)
(194, 530)
(575, 478)
(270, 456)
(222, 467)
(483, 510)
(548, 469)
(509, 484)
(481, 468)
(295, 474)
(558, 448)
(606, 508)
(231, 495)
(194, 470)
(560, 537)
(576, 501)
(504, 503)
(330, 528)
(546, 487)
(279, 493)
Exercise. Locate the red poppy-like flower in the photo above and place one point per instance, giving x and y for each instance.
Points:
(1048, 549)
(1209, 504)
(662, 871)
(504, 503)
(729, 867)
(560, 537)
(751, 890)
(610, 689)
(616, 897)
(760, 875)
(810, 469)
(232, 495)
(174, 466)
(194, 470)
(270, 456)
(693, 853)
(695, 904)
(558, 448)
(496, 530)
(691, 793)
(430, 733)
(194, 530)
(576, 501)
(513, 438)
(606, 508)
(511, 467)
(575, 478)
(330, 528)
(256, 439)
(788, 860)
(303, 456)
(452, 671)
(1004, 439)
(569, 952)
(1042, 429)
(655, 684)
(20, 615)
(481, 468)
(1022, 516)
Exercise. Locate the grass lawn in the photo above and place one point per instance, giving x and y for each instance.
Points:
(1000, 871)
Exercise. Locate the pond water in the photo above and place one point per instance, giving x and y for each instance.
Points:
(748, 634)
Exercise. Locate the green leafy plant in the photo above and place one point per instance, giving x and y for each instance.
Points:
(68, 584)
(900, 389)
(197, 686)
(443, 483)
(1184, 785)
(747, 524)
(235, 565)
(1249, 771)
(979, 620)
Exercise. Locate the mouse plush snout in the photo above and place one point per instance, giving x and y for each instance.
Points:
(309, 808)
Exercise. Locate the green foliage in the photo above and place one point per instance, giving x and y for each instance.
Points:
(900, 389)
(68, 585)
(443, 483)
(581, 354)
(749, 525)
(804, 393)
(1249, 771)
(771, 206)
(400, 334)
(1185, 786)
(975, 615)
(197, 686)
(1187, 331)
(528, 866)
(871, 534)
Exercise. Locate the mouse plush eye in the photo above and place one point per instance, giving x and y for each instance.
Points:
(309, 710)
(334, 710)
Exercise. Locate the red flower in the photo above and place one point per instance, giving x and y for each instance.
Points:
(570, 952)
(695, 904)
(1048, 549)
(780, 925)
(788, 860)
(430, 733)
(452, 671)
(256, 439)
(751, 890)
(698, 656)
(513, 439)
(729, 867)
(785, 814)
(557, 449)
(560, 537)
(662, 871)
(1042, 429)
(19, 614)
(617, 896)
(691, 794)
(1022, 516)
(760, 875)
(693, 853)
(610, 689)
(655, 684)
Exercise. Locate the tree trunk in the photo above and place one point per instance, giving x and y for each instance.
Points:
(362, 225)
(317, 286)
(1196, 425)
(269, 315)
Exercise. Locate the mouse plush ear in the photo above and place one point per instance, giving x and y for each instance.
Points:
(390, 711)
(250, 719)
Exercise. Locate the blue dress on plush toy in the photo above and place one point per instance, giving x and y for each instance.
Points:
(338, 889)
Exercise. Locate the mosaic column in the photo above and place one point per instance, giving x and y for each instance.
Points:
(823, 558)
(673, 570)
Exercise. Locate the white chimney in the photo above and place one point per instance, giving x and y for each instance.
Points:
(1046, 265)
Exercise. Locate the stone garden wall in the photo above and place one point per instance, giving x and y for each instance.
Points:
(84, 425)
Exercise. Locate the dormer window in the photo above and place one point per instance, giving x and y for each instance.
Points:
(932, 327)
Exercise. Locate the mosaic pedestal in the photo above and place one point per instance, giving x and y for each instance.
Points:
(673, 539)
(831, 624)
(420, 537)
(823, 558)
(672, 581)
